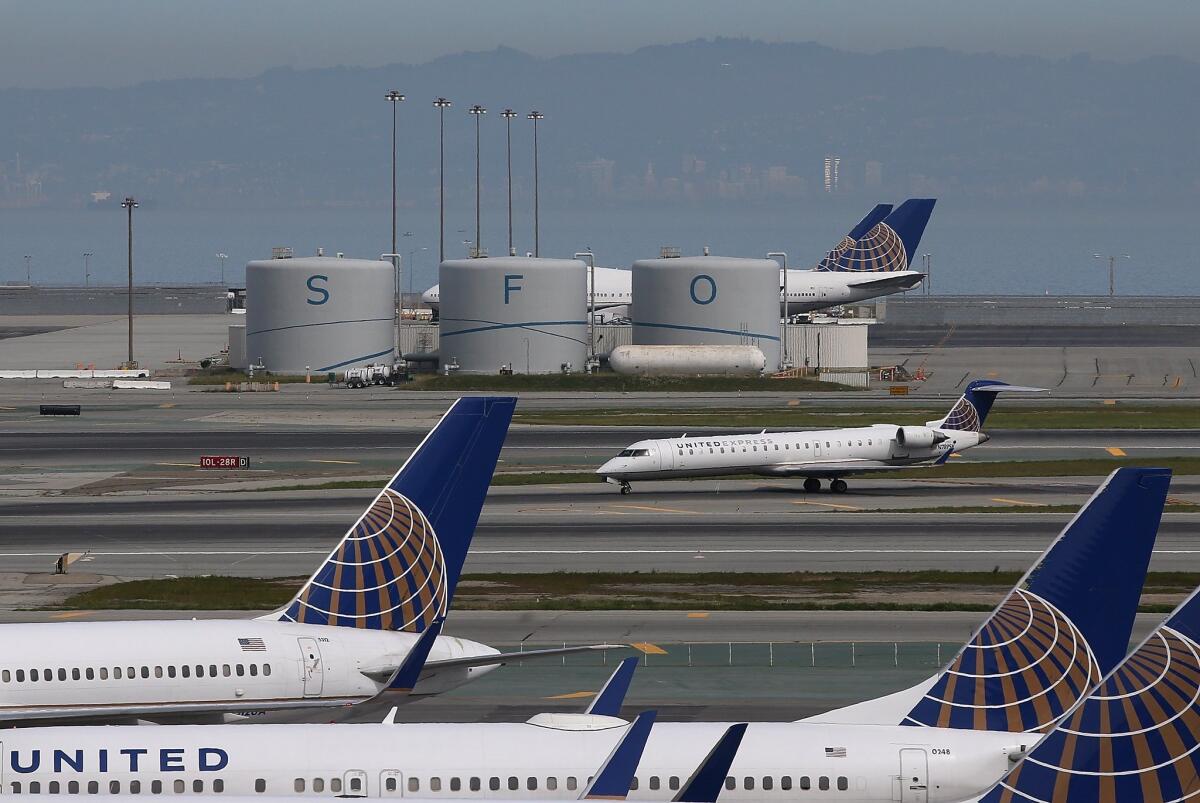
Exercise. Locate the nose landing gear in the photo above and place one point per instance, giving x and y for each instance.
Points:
(625, 488)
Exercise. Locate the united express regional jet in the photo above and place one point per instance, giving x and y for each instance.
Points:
(1046, 647)
(813, 454)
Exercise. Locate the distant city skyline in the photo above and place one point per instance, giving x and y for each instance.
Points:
(112, 43)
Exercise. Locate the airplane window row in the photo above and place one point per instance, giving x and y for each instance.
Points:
(513, 783)
(335, 785)
(178, 786)
(786, 446)
(132, 672)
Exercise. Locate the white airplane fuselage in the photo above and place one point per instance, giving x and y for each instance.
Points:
(175, 670)
(813, 453)
(807, 290)
(797, 761)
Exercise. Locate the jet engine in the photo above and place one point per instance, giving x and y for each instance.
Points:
(918, 437)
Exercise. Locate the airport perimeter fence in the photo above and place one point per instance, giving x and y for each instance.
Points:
(789, 654)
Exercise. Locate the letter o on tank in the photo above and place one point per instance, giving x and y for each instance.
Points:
(703, 289)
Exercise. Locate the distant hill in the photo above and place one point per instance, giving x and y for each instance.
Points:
(706, 122)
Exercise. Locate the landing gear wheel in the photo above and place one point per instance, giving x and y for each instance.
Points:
(838, 486)
(812, 485)
(626, 488)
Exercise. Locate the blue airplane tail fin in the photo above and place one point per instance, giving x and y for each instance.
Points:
(889, 245)
(972, 408)
(866, 224)
(398, 566)
(614, 778)
(1064, 626)
(1135, 737)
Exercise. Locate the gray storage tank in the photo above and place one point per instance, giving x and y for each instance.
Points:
(708, 301)
(320, 313)
(522, 313)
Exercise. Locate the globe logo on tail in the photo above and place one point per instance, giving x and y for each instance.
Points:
(388, 573)
(963, 417)
(1023, 671)
(880, 249)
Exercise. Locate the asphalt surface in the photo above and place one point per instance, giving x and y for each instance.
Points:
(889, 335)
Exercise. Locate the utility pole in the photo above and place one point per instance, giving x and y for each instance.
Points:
(781, 258)
(28, 270)
(441, 104)
(508, 115)
(129, 205)
(535, 115)
(395, 98)
(1112, 270)
(86, 273)
(477, 111)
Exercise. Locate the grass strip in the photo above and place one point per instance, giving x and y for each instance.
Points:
(713, 591)
(1094, 416)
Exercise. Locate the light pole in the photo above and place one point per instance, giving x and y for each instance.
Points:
(781, 258)
(129, 204)
(535, 115)
(412, 267)
(508, 115)
(1112, 270)
(395, 98)
(441, 104)
(221, 257)
(396, 303)
(928, 260)
(86, 274)
(477, 112)
(28, 270)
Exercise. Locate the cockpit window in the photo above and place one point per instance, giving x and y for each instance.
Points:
(635, 453)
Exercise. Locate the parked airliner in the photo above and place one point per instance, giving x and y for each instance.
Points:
(812, 454)
(1044, 648)
(881, 246)
(338, 642)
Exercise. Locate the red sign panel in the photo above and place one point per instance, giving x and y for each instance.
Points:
(224, 461)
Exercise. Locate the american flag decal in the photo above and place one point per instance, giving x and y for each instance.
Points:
(835, 752)
(252, 645)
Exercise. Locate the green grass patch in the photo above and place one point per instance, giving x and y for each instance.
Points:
(219, 376)
(732, 591)
(531, 478)
(617, 383)
(1094, 416)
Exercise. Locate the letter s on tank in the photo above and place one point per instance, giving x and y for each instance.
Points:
(322, 294)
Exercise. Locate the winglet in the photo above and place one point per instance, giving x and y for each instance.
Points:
(409, 672)
(709, 778)
(615, 776)
(611, 697)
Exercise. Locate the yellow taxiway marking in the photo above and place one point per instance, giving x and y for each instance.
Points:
(185, 465)
(338, 462)
(71, 614)
(698, 615)
(1110, 401)
(1115, 451)
(992, 374)
(955, 454)
(575, 695)
(166, 406)
(648, 648)
(1021, 502)
(826, 504)
(653, 509)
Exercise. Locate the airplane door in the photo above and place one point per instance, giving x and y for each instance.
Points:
(312, 672)
(914, 781)
(391, 783)
(816, 448)
(666, 456)
(354, 784)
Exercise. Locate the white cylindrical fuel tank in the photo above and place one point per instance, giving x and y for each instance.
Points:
(522, 313)
(319, 313)
(688, 360)
(707, 301)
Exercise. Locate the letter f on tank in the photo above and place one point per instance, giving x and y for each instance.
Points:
(510, 285)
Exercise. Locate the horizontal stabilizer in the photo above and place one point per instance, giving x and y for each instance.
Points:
(904, 280)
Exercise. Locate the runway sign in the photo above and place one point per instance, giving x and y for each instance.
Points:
(224, 461)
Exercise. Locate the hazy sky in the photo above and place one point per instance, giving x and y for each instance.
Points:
(60, 43)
